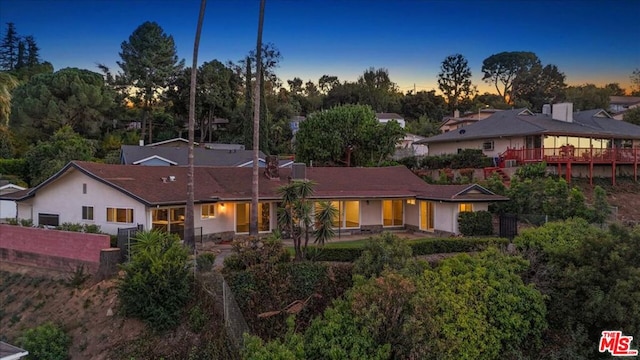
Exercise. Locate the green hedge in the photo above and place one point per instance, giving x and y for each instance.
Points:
(419, 247)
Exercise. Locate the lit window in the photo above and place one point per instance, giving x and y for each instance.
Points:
(243, 217)
(87, 213)
(411, 201)
(426, 215)
(208, 211)
(119, 215)
(392, 213)
(466, 207)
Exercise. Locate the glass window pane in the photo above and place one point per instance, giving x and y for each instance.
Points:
(352, 214)
(387, 213)
(242, 217)
(397, 213)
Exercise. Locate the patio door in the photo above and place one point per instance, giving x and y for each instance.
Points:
(533, 144)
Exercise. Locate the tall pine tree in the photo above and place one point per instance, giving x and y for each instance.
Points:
(33, 51)
(9, 48)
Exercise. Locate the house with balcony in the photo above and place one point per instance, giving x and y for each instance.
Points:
(585, 143)
(368, 200)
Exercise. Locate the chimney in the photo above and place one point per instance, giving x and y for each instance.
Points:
(172, 178)
(546, 109)
(456, 113)
(299, 171)
(141, 143)
(562, 112)
(271, 167)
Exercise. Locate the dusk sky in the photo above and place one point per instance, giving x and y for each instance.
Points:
(591, 41)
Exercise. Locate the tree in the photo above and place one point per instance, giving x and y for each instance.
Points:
(615, 89)
(574, 263)
(295, 86)
(73, 97)
(327, 82)
(149, 62)
(384, 252)
(46, 342)
(632, 116)
(7, 84)
(156, 284)
(635, 82)
(587, 97)
(253, 224)
(46, 158)
(9, 48)
(189, 235)
(454, 80)
(423, 104)
(348, 135)
(33, 51)
(539, 86)
(295, 216)
(502, 69)
(378, 91)
(601, 209)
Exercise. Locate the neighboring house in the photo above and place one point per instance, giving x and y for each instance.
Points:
(407, 147)
(559, 136)
(220, 124)
(369, 200)
(621, 103)
(386, 117)
(294, 123)
(178, 155)
(10, 352)
(8, 207)
(456, 121)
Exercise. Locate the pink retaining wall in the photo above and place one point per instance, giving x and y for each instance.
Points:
(61, 250)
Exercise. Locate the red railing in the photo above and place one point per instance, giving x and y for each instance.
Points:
(572, 154)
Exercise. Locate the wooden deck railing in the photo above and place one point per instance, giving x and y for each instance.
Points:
(572, 154)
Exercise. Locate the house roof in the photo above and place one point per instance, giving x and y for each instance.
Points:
(153, 186)
(131, 154)
(624, 100)
(11, 352)
(175, 141)
(522, 122)
(390, 116)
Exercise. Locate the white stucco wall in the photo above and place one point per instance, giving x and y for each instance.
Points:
(371, 213)
(445, 217)
(499, 146)
(65, 198)
(412, 214)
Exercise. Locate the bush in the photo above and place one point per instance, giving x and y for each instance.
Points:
(328, 253)
(205, 261)
(467, 158)
(155, 287)
(386, 251)
(453, 245)
(252, 251)
(477, 223)
(46, 342)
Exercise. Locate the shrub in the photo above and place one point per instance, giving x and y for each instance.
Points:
(252, 251)
(453, 245)
(328, 253)
(155, 287)
(205, 261)
(477, 223)
(384, 251)
(46, 342)
(233, 263)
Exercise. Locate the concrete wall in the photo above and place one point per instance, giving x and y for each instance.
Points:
(61, 250)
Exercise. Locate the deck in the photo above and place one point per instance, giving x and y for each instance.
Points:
(568, 155)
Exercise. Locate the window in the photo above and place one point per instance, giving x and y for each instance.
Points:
(48, 219)
(426, 215)
(487, 145)
(119, 215)
(208, 211)
(411, 201)
(170, 220)
(84, 188)
(392, 213)
(466, 207)
(348, 214)
(87, 213)
(243, 215)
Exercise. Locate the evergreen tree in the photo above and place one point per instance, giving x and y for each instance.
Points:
(9, 48)
(149, 62)
(454, 80)
(21, 59)
(33, 56)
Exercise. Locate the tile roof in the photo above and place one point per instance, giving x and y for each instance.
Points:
(152, 185)
(521, 122)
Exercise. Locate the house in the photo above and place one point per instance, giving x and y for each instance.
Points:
(8, 207)
(407, 147)
(11, 352)
(587, 139)
(456, 121)
(162, 155)
(386, 117)
(369, 200)
(621, 103)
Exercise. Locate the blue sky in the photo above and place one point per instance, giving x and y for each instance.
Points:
(591, 41)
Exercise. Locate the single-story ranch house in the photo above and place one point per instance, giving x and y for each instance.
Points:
(369, 200)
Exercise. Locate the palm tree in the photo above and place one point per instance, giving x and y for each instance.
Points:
(189, 231)
(295, 216)
(7, 83)
(253, 224)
